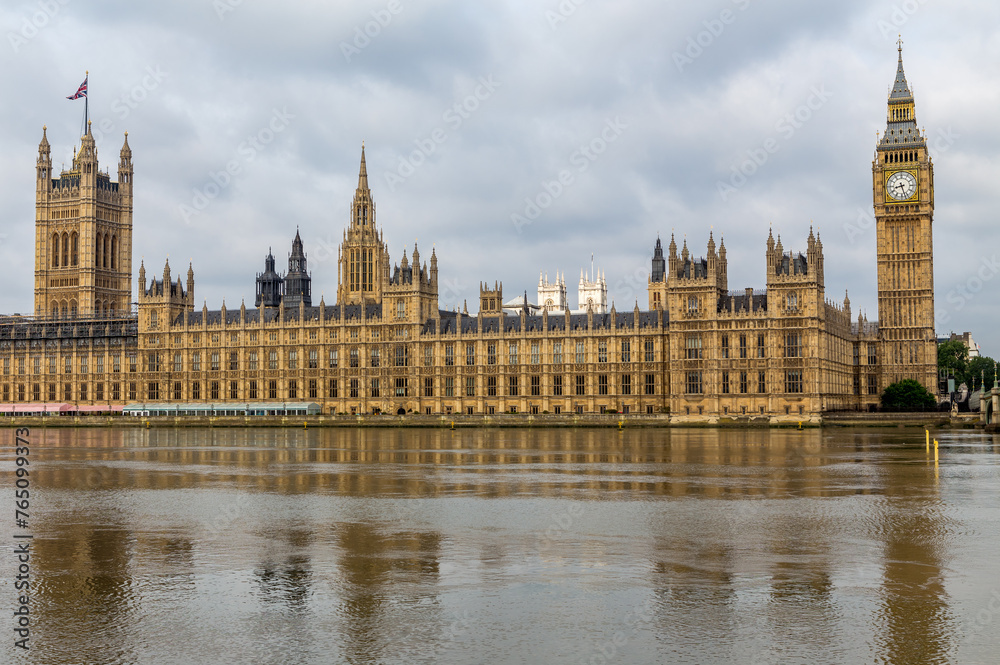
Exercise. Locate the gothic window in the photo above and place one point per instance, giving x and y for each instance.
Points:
(743, 383)
(375, 392)
(792, 301)
(557, 353)
(215, 362)
(692, 304)
(449, 355)
(694, 347)
(761, 382)
(534, 353)
(793, 381)
(602, 352)
(470, 386)
(650, 384)
(272, 360)
(512, 353)
(581, 385)
(75, 245)
(760, 346)
(470, 354)
(693, 385)
(114, 252)
(196, 362)
(602, 384)
(793, 346)
(743, 347)
(65, 249)
(491, 354)
(725, 383)
(55, 250)
(557, 385)
(650, 354)
(580, 355)
(449, 386)
(293, 360)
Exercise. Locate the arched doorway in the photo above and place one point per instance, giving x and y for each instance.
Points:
(401, 411)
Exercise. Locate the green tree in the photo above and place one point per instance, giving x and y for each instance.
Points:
(908, 395)
(980, 368)
(954, 357)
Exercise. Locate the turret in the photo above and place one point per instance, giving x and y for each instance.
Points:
(125, 165)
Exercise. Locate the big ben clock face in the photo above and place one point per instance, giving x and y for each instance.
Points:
(900, 186)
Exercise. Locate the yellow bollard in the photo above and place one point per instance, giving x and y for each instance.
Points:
(620, 425)
(928, 433)
(453, 424)
(935, 451)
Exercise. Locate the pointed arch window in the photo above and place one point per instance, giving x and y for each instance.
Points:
(114, 252)
(74, 256)
(65, 249)
(55, 250)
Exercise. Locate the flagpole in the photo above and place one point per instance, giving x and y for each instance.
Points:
(86, 103)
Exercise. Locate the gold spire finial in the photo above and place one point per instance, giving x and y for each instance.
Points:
(899, 45)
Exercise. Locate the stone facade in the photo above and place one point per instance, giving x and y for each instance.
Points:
(83, 235)
(699, 352)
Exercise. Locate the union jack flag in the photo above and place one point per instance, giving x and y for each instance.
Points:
(81, 91)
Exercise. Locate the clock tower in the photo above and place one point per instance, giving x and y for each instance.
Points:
(903, 189)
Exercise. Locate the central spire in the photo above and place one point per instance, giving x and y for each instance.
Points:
(900, 89)
(363, 175)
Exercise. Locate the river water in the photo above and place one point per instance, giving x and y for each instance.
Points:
(507, 546)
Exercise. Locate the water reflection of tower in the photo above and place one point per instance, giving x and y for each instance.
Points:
(373, 564)
(916, 622)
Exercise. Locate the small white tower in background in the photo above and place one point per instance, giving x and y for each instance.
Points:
(552, 296)
(593, 293)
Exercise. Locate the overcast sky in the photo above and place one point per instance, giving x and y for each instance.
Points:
(472, 113)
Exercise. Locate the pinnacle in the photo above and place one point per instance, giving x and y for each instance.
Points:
(363, 174)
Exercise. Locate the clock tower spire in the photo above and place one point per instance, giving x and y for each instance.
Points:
(903, 188)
